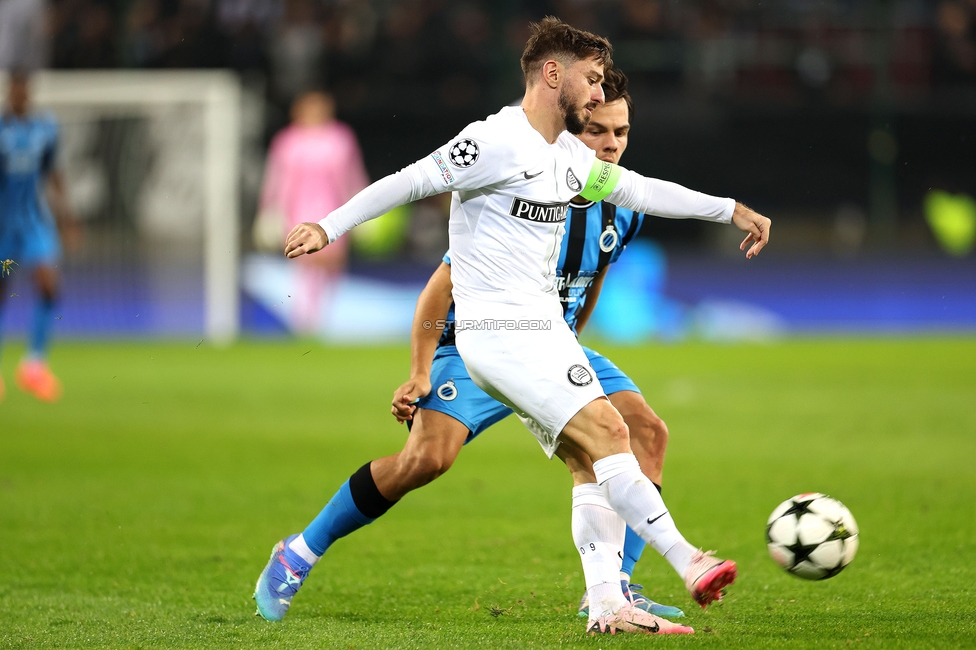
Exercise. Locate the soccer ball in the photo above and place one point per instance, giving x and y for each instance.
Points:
(812, 536)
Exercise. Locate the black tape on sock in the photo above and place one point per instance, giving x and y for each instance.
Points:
(366, 495)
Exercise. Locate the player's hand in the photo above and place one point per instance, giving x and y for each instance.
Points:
(305, 238)
(755, 225)
(405, 398)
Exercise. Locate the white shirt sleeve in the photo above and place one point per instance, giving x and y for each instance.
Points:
(475, 159)
(665, 199)
(409, 184)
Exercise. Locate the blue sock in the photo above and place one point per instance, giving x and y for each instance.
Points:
(633, 548)
(338, 518)
(40, 335)
(357, 503)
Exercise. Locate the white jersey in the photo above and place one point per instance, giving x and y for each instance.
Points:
(511, 192)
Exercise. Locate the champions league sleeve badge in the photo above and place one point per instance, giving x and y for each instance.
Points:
(463, 153)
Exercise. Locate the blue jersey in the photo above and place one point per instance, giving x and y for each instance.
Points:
(28, 147)
(596, 234)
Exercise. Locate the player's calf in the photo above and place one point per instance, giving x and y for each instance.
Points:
(433, 445)
(411, 471)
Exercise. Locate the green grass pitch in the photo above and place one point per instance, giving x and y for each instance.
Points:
(139, 510)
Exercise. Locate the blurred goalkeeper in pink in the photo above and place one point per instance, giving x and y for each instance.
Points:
(314, 166)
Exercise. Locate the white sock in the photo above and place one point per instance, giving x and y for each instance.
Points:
(303, 551)
(636, 499)
(679, 556)
(598, 532)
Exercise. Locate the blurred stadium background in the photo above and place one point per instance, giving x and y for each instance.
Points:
(850, 124)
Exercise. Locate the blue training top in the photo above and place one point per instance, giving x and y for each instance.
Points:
(596, 235)
(28, 147)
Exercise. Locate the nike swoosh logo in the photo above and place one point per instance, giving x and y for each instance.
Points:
(651, 521)
(529, 176)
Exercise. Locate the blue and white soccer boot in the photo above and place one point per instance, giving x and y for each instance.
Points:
(632, 593)
(640, 601)
(280, 581)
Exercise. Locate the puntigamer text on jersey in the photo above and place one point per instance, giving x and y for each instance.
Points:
(542, 212)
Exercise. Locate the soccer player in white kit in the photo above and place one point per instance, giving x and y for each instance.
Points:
(512, 177)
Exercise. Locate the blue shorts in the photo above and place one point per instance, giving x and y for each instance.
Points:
(454, 393)
(31, 242)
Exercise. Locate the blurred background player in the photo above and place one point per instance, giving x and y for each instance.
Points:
(452, 410)
(314, 166)
(28, 231)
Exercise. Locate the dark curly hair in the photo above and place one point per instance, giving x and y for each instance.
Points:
(615, 87)
(553, 39)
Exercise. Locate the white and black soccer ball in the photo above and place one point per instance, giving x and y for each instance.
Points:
(463, 153)
(812, 536)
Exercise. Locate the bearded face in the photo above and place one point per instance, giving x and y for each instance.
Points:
(574, 116)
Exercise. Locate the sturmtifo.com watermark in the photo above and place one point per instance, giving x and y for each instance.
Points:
(490, 324)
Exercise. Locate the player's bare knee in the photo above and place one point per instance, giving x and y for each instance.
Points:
(660, 432)
(651, 427)
(616, 431)
(419, 469)
(437, 465)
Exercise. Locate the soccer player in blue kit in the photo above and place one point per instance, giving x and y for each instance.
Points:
(512, 178)
(28, 231)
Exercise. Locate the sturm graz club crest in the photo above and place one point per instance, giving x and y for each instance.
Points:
(572, 181)
(579, 375)
(447, 391)
(463, 153)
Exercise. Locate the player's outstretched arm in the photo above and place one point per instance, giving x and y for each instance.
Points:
(407, 185)
(754, 225)
(433, 306)
(665, 199)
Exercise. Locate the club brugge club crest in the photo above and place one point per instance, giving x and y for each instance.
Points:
(579, 375)
(572, 181)
(447, 391)
(463, 153)
(609, 239)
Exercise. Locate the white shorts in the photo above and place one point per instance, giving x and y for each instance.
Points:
(528, 359)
